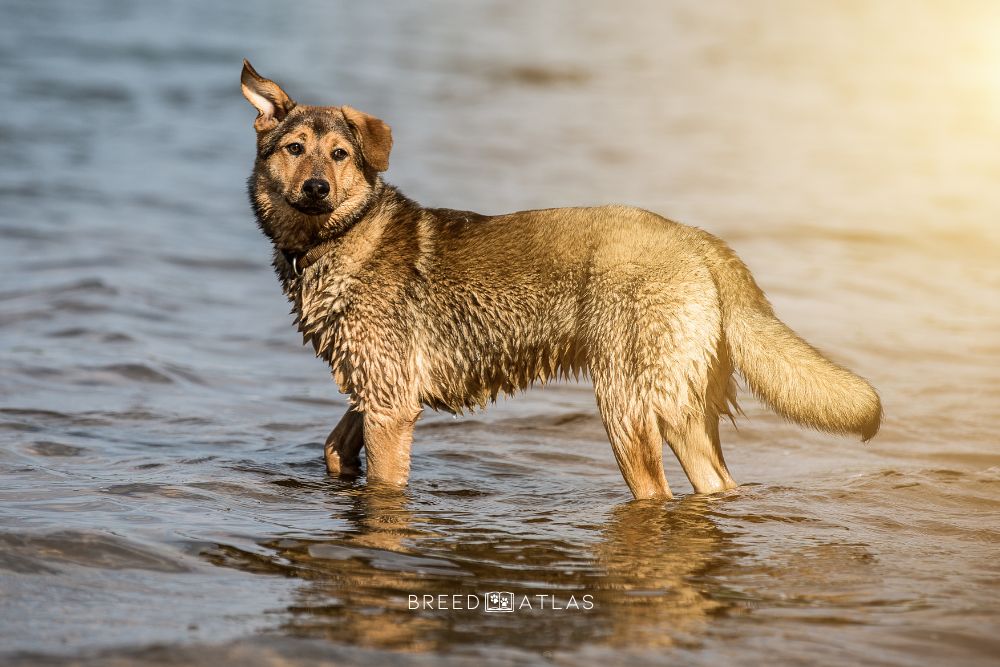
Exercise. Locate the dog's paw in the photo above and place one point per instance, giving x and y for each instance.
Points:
(343, 466)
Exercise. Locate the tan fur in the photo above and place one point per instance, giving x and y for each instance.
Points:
(415, 307)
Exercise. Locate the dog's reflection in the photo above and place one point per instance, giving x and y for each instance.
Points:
(651, 576)
(360, 580)
(659, 561)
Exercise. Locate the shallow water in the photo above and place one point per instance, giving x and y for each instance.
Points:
(163, 496)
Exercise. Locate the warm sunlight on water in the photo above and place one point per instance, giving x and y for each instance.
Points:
(164, 499)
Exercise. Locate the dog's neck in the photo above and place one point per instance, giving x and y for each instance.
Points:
(299, 260)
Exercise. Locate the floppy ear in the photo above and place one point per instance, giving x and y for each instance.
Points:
(375, 137)
(270, 100)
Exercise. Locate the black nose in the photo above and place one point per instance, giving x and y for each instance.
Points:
(316, 188)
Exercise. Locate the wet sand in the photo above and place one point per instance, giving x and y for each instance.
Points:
(164, 499)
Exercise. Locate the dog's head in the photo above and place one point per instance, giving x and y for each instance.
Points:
(316, 166)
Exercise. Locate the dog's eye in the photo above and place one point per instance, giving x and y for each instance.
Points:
(339, 154)
(295, 149)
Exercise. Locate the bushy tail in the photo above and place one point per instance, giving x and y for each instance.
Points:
(782, 369)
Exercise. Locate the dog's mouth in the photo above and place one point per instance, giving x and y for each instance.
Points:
(311, 207)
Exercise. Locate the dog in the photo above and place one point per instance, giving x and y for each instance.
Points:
(415, 307)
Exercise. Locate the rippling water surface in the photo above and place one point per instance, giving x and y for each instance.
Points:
(163, 498)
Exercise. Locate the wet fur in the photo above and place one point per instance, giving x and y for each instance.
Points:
(415, 307)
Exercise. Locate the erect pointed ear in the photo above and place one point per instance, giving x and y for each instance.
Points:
(375, 137)
(270, 100)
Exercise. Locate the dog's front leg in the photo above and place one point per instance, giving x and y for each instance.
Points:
(387, 445)
(344, 444)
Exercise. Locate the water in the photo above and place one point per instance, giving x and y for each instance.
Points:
(163, 496)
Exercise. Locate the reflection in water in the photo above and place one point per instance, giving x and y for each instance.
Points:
(651, 575)
(658, 561)
(358, 583)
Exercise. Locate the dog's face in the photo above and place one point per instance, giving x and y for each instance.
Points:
(315, 165)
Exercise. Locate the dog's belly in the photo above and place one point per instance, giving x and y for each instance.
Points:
(457, 379)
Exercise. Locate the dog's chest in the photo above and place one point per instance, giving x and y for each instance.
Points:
(325, 309)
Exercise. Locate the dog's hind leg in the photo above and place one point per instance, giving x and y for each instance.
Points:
(637, 445)
(695, 436)
(344, 444)
(696, 445)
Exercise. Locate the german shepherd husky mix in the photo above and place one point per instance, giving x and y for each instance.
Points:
(415, 306)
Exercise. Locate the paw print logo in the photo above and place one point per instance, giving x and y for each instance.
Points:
(499, 601)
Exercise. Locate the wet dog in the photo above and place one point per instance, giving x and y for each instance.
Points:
(415, 307)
